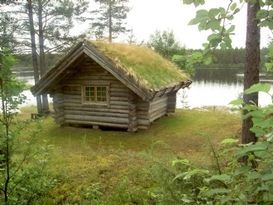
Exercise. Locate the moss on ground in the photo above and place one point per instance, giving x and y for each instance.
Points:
(115, 167)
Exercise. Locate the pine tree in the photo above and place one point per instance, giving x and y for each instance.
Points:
(109, 18)
(53, 24)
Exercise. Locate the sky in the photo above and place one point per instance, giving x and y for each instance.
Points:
(147, 16)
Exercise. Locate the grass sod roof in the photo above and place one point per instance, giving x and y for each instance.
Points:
(149, 68)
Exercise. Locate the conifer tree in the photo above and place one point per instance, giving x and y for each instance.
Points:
(109, 18)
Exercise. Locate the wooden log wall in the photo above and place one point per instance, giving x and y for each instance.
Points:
(132, 115)
(158, 108)
(171, 102)
(58, 106)
(115, 114)
(143, 121)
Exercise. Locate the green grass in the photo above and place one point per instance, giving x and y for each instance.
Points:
(116, 166)
(145, 65)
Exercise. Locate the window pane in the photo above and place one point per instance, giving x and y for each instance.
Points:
(101, 94)
(95, 94)
(90, 93)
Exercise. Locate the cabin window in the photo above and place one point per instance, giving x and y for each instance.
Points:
(95, 94)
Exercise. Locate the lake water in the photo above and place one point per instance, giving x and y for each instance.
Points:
(210, 87)
(215, 87)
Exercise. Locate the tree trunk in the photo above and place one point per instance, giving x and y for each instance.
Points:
(252, 64)
(110, 21)
(34, 53)
(42, 53)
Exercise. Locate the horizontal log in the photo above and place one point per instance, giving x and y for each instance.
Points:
(117, 98)
(94, 113)
(164, 99)
(125, 90)
(158, 107)
(164, 108)
(118, 94)
(142, 127)
(96, 109)
(158, 114)
(88, 77)
(96, 119)
(96, 123)
(143, 122)
(119, 107)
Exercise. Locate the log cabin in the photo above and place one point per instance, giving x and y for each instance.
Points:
(113, 85)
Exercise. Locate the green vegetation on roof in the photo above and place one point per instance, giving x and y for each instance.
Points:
(148, 67)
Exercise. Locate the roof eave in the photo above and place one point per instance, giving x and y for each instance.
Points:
(44, 83)
(171, 89)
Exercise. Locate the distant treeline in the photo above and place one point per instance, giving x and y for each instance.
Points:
(231, 58)
(24, 61)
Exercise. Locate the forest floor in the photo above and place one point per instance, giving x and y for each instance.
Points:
(117, 166)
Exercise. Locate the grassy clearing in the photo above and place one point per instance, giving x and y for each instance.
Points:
(115, 167)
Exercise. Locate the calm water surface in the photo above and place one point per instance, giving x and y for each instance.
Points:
(210, 87)
(215, 87)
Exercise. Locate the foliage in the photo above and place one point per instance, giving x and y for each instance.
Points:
(108, 20)
(269, 59)
(31, 177)
(165, 44)
(219, 21)
(8, 25)
(237, 183)
(190, 61)
(58, 18)
(20, 180)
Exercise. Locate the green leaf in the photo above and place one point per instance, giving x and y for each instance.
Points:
(214, 12)
(195, 2)
(237, 102)
(253, 175)
(270, 13)
(214, 25)
(261, 14)
(223, 178)
(191, 173)
(231, 29)
(259, 87)
(267, 177)
(251, 148)
(194, 21)
(217, 191)
(237, 10)
(258, 131)
(202, 13)
(214, 36)
(233, 6)
(181, 161)
(229, 141)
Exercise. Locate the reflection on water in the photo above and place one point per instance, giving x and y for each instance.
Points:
(221, 76)
(205, 93)
(210, 87)
(214, 87)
